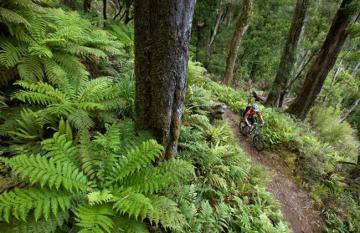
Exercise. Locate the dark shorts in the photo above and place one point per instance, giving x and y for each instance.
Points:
(252, 120)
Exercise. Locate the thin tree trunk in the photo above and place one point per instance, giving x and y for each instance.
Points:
(288, 57)
(162, 37)
(128, 5)
(218, 20)
(333, 81)
(325, 60)
(87, 6)
(104, 9)
(349, 111)
(356, 69)
(241, 27)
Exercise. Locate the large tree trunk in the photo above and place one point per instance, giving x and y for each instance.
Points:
(325, 60)
(241, 27)
(162, 36)
(289, 54)
(87, 6)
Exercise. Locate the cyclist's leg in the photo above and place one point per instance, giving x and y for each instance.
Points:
(252, 120)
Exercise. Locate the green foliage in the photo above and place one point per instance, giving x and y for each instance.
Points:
(223, 196)
(20, 202)
(330, 130)
(96, 182)
(320, 155)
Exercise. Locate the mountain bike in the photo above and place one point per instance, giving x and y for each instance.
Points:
(254, 130)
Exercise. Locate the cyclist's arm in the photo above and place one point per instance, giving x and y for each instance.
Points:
(261, 118)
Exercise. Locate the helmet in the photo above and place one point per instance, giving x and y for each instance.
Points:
(255, 107)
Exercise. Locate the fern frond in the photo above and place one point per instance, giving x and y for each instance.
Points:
(10, 55)
(137, 158)
(20, 202)
(44, 88)
(60, 149)
(38, 169)
(30, 69)
(11, 17)
(80, 119)
(93, 89)
(128, 225)
(110, 140)
(99, 197)
(166, 212)
(83, 51)
(29, 126)
(86, 156)
(94, 219)
(134, 204)
(33, 226)
(153, 179)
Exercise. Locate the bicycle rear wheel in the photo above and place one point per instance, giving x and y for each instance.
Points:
(258, 142)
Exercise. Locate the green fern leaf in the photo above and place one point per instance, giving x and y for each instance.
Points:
(99, 197)
(11, 17)
(166, 212)
(60, 149)
(137, 158)
(33, 226)
(128, 225)
(19, 203)
(94, 219)
(38, 169)
(134, 204)
(153, 179)
(10, 55)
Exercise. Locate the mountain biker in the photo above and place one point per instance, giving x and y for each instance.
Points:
(250, 114)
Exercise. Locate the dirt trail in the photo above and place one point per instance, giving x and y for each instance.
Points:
(296, 205)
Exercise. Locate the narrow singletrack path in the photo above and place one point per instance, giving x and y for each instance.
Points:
(296, 205)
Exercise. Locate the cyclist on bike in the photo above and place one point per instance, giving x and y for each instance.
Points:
(250, 114)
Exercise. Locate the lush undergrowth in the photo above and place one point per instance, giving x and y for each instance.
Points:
(71, 160)
(325, 155)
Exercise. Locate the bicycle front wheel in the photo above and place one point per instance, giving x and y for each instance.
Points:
(258, 142)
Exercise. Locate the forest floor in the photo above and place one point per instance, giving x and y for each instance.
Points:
(296, 205)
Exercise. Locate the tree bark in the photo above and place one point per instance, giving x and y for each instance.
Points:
(162, 37)
(325, 60)
(87, 6)
(104, 9)
(289, 54)
(241, 27)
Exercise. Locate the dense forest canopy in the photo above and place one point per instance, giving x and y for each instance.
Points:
(134, 116)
